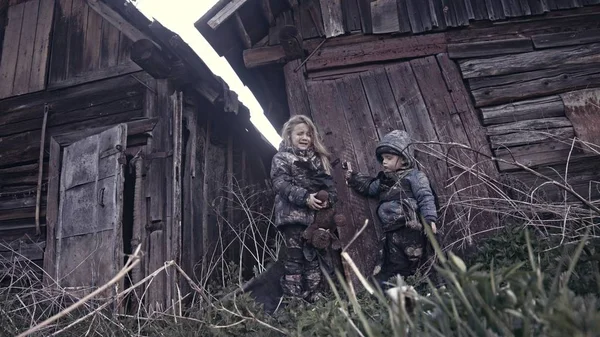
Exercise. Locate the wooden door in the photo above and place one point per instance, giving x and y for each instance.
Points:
(88, 233)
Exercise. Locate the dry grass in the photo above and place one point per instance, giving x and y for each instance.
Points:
(34, 308)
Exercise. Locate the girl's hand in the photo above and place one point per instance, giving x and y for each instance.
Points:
(313, 203)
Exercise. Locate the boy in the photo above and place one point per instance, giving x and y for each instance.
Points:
(404, 196)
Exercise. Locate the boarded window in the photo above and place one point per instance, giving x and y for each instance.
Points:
(89, 244)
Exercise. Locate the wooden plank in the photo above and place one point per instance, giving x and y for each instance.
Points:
(119, 70)
(507, 88)
(512, 8)
(76, 36)
(479, 10)
(525, 8)
(364, 8)
(495, 10)
(25, 147)
(114, 18)
(360, 121)
(296, 90)
(384, 16)
(537, 7)
(333, 17)
(531, 124)
(413, 10)
(527, 137)
(438, 14)
(329, 116)
(41, 52)
(10, 53)
(450, 128)
(553, 152)
(267, 12)
(176, 185)
(469, 116)
(566, 38)
(489, 48)
(417, 121)
(59, 117)
(384, 110)
(92, 45)
(545, 107)
(375, 51)
(109, 52)
(536, 60)
(351, 15)
(257, 57)
(26, 48)
(225, 13)
(25, 108)
(60, 42)
(582, 108)
(242, 33)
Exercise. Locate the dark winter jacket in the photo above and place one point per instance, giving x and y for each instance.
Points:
(295, 175)
(404, 194)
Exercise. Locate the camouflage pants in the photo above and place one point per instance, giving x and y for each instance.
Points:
(302, 271)
(401, 253)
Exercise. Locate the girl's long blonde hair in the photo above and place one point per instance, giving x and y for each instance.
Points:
(317, 144)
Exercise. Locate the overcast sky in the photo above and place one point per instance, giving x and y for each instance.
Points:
(180, 16)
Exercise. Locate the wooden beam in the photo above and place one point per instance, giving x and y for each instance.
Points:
(291, 41)
(225, 13)
(378, 51)
(545, 107)
(243, 34)
(489, 48)
(566, 38)
(146, 55)
(117, 20)
(357, 49)
(258, 57)
(333, 17)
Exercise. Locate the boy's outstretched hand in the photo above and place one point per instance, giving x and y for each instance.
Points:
(348, 174)
(433, 228)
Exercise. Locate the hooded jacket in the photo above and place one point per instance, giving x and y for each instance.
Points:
(404, 194)
(295, 175)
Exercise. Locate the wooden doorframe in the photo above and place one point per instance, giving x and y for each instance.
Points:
(56, 147)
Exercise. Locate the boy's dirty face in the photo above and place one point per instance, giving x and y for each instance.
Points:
(301, 137)
(392, 162)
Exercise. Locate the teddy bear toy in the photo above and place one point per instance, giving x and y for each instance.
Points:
(320, 232)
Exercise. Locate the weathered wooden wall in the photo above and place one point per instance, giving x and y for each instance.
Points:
(535, 99)
(25, 45)
(85, 46)
(185, 157)
(516, 92)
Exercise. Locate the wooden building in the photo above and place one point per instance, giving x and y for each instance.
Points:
(511, 79)
(114, 133)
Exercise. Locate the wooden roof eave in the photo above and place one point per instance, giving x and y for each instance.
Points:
(170, 57)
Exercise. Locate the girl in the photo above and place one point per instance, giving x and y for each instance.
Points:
(300, 155)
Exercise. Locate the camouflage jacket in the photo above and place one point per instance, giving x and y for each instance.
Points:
(403, 195)
(296, 174)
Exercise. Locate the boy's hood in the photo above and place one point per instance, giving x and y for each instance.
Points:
(399, 141)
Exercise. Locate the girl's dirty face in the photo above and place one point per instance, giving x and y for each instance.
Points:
(392, 162)
(301, 137)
